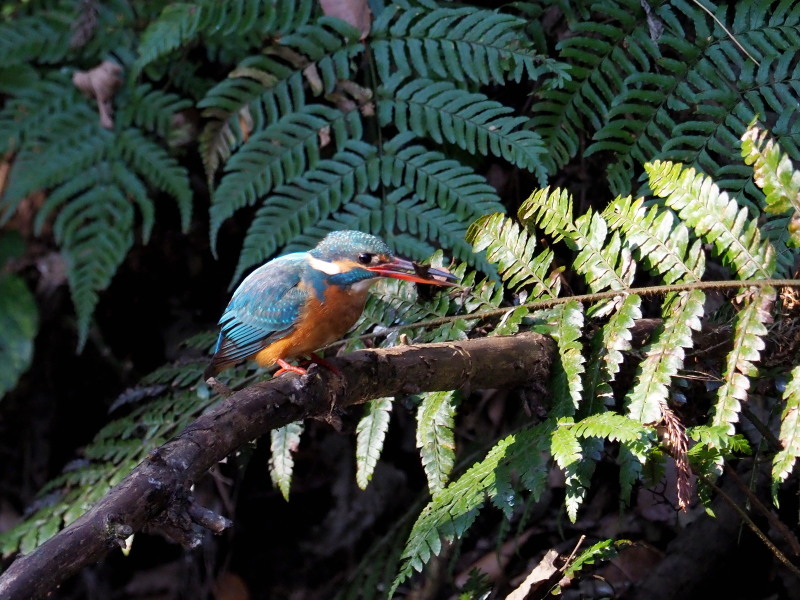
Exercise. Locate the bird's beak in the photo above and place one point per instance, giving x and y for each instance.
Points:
(399, 268)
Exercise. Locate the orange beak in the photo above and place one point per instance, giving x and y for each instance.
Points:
(399, 268)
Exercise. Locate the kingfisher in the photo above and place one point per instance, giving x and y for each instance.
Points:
(300, 302)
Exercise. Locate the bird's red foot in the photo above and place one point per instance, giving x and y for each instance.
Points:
(287, 368)
(315, 358)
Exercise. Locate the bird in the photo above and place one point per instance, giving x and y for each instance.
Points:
(300, 302)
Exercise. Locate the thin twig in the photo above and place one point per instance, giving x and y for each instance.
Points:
(753, 527)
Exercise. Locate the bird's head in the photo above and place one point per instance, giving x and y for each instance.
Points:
(348, 257)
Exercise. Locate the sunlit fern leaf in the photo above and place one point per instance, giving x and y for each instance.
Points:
(606, 355)
(748, 342)
(568, 454)
(600, 552)
(565, 322)
(442, 112)
(457, 44)
(658, 239)
(435, 422)
(314, 196)
(774, 174)
(452, 510)
(275, 155)
(551, 212)
(370, 434)
(513, 251)
(284, 441)
(664, 356)
(715, 217)
(784, 461)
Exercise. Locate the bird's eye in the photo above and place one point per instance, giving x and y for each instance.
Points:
(365, 258)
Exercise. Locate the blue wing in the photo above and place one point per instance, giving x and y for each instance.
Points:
(263, 309)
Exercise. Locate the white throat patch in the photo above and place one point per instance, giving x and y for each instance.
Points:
(328, 268)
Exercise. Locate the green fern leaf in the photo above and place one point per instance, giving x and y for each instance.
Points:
(370, 433)
(19, 321)
(157, 168)
(512, 250)
(748, 342)
(444, 113)
(308, 199)
(664, 356)
(44, 37)
(434, 178)
(435, 422)
(565, 322)
(151, 109)
(660, 242)
(452, 510)
(283, 442)
(714, 217)
(606, 358)
(275, 155)
(785, 459)
(568, 454)
(457, 44)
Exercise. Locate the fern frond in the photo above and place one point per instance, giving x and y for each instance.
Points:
(715, 217)
(434, 178)
(457, 44)
(451, 511)
(181, 23)
(512, 250)
(284, 441)
(275, 155)
(471, 121)
(435, 422)
(664, 356)
(568, 454)
(370, 433)
(659, 241)
(565, 322)
(95, 231)
(603, 264)
(748, 342)
(44, 38)
(785, 459)
(291, 208)
(151, 109)
(606, 356)
(158, 169)
(774, 174)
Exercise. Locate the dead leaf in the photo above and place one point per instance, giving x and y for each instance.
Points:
(355, 12)
(541, 573)
(100, 83)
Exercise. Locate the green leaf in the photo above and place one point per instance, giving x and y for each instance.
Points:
(435, 422)
(283, 442)
(19, 321)
(785, 459)
(370, 434)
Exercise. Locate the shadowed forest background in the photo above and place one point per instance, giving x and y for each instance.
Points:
(152, 154)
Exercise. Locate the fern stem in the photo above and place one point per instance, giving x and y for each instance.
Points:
(753, 527)
(549, 302)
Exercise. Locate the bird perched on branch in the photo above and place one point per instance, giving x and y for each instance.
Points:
(297, 303)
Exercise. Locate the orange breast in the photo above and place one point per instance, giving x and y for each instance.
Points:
(320, 324)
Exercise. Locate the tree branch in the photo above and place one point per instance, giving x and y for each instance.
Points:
(158, 487)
